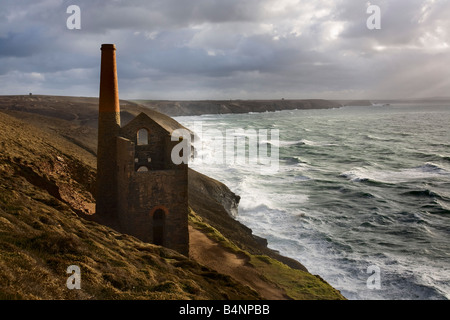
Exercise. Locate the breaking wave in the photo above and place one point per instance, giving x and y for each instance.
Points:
(355, 187)
(362, 174)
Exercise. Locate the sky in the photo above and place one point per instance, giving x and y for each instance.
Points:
(228, 49)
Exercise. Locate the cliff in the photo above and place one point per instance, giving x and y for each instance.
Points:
(359, 103)
(189, 108)
(47, 176)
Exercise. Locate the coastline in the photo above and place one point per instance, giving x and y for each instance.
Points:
(203, 107)
(73, 120)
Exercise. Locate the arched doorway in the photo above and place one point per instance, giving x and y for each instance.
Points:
(159, 218)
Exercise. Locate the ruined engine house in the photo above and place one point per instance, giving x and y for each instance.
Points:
(140, 191)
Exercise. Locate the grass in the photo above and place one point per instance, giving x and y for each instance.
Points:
(113, 266)
(213, 233)
(297, 284)
(44, 184)
(41, 234)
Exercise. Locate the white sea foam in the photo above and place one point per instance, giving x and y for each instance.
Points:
(425, 171)
(291, 143)
(327, 223)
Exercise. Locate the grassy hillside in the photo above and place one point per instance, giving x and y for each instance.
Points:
(41, 234)
(47, 176)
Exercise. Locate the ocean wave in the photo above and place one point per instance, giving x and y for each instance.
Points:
(360, 175)
(293, 160)
(439, 206)
(308, 142)
(318, 144)
(293, 143)
(377, 138)
(431, 167)
(402, 134)
(302, 142)
(426, 193)
(363, 174)
(430, 156)
(362, 194)
(444, 206)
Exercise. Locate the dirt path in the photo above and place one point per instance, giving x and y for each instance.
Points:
(211, 254)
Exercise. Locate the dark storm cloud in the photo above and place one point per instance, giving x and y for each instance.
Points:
(20, 44)
(228, 49)
(101, 16)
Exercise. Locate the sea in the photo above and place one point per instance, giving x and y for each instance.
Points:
(359, 195)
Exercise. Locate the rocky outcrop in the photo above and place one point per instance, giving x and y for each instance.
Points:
(216, 191)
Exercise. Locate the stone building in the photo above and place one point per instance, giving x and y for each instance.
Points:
(140, 191)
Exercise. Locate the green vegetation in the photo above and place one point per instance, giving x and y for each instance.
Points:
(47, 174)
(297, 284)
(38, 243)
(197, 221)
(42, 233)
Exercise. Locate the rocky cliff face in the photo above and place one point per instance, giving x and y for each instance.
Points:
(215, 191)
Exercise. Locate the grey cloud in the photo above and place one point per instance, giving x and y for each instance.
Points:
(101, 16)
(20, 44)
(228, 49)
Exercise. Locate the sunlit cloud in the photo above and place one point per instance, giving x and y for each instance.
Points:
(215, 49)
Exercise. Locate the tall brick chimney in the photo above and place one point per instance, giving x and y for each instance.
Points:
(108, 129)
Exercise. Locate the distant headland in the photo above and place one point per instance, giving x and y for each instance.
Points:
(199, 107)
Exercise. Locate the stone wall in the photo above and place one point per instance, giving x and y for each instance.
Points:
(150, 155)
(161, 187)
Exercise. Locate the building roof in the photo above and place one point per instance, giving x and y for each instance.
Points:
(162, 120)
(143, 117)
